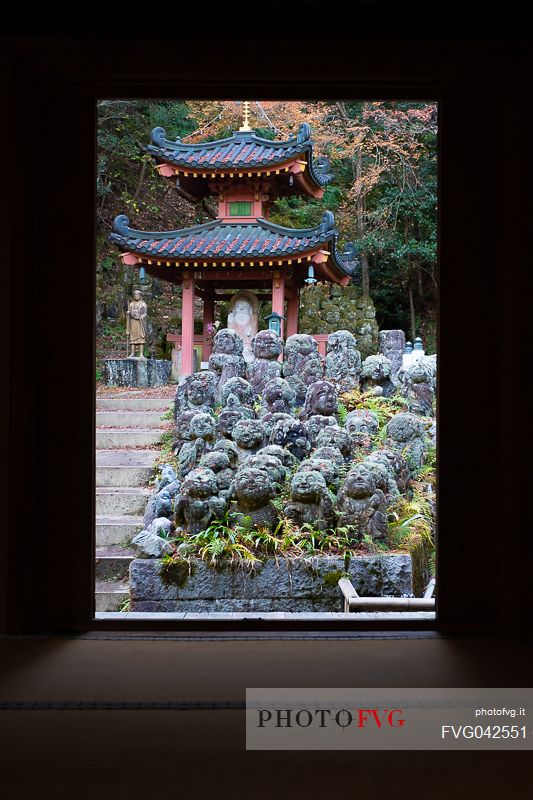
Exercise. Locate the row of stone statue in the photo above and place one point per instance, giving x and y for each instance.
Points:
(303, 365)
(237, 447)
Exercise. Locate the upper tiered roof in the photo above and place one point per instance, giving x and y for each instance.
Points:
(243, 155)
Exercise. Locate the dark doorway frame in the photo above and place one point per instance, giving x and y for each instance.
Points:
(48, 548)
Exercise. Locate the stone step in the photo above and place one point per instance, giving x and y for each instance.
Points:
(127, 437)
(130, 500)
(112, 563)
(123, 476)
(110, 595)
(129, 419)
(116, 529)
(126, 458)
(133, 403)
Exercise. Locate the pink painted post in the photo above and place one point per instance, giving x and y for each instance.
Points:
(278, 297)
(187, 324)
(209, 318)
(292, 313)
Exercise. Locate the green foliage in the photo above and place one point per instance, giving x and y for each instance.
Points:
(342, 413)
(383, 407)
(175, 571)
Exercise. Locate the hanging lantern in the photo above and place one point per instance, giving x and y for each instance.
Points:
(310, 276)
(274, 322)
(142, 274)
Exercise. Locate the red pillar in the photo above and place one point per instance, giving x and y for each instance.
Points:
(209, 318)
(187, 324)
(292, 313)
(278, 297)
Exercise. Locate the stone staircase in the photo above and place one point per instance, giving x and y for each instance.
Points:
(128, 429)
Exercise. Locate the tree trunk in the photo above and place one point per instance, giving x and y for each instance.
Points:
(360, 217)
(141, 181)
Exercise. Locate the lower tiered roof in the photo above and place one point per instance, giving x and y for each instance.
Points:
(225, 244)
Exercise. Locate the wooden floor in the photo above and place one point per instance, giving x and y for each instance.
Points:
(199, 753)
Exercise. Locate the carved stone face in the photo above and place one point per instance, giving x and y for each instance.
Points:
(228, 342)
(360, 482)
(239, 387)
(327, 468)
(137, 295)
(376, 368)
(404, 427)
(362, 422)
(248, 433)
(341, 340)
(230, 449)
(252, 483)
(307, 486)
(200, 482)
(267, 344)
(200, 388)
(243, 311)
(326, 399)
(216, 461)
(202, 426)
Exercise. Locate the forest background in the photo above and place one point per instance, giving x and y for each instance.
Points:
(383, 195)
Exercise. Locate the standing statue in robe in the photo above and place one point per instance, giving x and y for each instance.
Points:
(136, 324)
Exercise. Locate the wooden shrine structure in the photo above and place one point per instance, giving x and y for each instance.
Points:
(241, 249)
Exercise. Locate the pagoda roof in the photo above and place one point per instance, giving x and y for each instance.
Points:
(244, 151)
(220, 239)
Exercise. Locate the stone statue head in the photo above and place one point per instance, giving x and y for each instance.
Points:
(404, 427)
(376, 368)
(200, 483)
(327, 468)
(308, 486)
(202, 426)
(301, 343)
(321, 398)
(335, 436)
(239, 387)
(230, 449)
(360, 482)
(248, 434)
(279, 396)
(137, 295)
(201, 387)
(363, 422)
(341, 340)
(228, 342)
(267, 344)
(253, 484)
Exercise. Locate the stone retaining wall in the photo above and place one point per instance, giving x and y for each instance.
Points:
(289, 585)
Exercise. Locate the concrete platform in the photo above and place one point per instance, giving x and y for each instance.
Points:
(112, 563)
(110, 595)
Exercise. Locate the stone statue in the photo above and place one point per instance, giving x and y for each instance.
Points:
(362, 505)
(232, 413)
(230, 449)
(335, 436)
(376, 376)
(254, 490)
(266, 347)
(317, 423)
(249, 436)
(310, 501)
(303, 364)
(405, 434)
(291, 434)
(392, 346)
(196, 393)
(396, 462)
(271, 464)
(329, 453)
(362, 426)
(277, 398)
(199, 502)
(383, 472)
(219, 463)
(227, 360)
(240, 388)
(320, 398)
(343, 361)
(418, 387)
(327, 468)
(136, 324)
(202, 435)
(284, 455)
(242, 319)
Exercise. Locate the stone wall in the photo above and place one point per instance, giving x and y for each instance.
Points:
(326, 308)
(287, 585)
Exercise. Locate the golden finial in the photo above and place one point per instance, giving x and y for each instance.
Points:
(246, 114)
